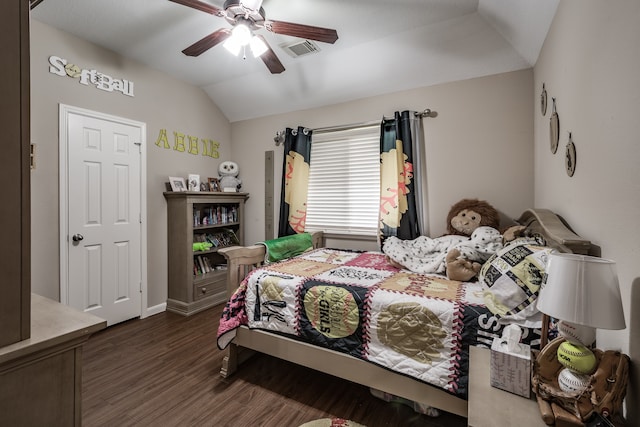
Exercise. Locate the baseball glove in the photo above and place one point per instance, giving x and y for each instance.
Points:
(606, 390)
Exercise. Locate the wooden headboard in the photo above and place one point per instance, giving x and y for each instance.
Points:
(555, 231)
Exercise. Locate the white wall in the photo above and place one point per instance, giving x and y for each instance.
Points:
(160, 101)
(589, 63)
(479, 145)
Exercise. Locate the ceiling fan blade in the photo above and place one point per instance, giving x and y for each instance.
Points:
(205, 7)
(270, 59)
(320, 34)
(207, 42)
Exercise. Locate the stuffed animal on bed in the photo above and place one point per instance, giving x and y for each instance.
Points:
(472, 237)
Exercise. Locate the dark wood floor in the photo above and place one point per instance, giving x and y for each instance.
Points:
(164, 371)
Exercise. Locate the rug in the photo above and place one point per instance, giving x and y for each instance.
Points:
(331, 422)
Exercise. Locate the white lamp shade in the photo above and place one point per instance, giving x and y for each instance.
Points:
(583, 290)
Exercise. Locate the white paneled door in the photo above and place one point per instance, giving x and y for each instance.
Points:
(104, 219)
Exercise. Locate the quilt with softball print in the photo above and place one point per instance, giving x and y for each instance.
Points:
(357, 303)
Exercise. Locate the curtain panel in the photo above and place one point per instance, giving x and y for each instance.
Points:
(401, 157)
(295, 181)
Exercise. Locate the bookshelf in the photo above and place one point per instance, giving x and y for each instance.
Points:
(198, 224)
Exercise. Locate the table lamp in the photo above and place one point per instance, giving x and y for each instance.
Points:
(583, 293)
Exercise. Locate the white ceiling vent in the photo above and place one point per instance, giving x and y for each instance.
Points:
(300, 48)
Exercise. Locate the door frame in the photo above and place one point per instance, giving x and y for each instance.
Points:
(64, 112)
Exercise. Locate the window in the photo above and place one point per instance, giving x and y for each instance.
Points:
(344, 181)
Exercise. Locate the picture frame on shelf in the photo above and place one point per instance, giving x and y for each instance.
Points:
(194, 182)
(177, 183)
(214, 184)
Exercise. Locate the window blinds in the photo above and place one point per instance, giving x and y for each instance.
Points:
(344, 181)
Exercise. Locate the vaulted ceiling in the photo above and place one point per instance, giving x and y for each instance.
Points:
(384, 46)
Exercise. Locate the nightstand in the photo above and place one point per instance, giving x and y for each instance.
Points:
(491, 407)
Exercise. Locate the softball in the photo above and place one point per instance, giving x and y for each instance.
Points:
(577, 334)
(572, 382)
(72, 70)
(576, 357)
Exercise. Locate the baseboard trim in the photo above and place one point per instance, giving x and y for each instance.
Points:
(156, 309)
(189, 308)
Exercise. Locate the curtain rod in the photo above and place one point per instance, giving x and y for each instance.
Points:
(279, 138)
(346, 127)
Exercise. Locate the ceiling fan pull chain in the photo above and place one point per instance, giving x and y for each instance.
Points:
(244, 52)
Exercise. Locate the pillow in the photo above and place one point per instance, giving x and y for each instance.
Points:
(511, 278)
(286, 247)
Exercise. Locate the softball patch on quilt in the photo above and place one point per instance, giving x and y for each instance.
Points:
(512, 279)
(330, 316)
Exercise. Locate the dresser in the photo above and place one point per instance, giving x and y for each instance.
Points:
(41, 377)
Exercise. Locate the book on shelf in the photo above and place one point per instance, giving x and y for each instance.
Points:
(207, 264)
(222, 238)
(202, 265)
(214, 215)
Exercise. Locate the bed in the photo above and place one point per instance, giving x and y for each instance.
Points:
(274, 332)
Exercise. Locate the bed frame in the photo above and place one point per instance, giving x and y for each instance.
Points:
(241, 260)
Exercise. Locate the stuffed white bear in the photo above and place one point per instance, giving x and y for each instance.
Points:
(229, 180)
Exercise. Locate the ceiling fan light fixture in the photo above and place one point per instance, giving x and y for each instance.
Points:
(242, 34)
(258, 46)
(232, 45)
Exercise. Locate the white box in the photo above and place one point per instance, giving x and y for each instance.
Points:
(511, 370)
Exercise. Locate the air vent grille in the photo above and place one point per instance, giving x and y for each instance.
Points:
(300, 48)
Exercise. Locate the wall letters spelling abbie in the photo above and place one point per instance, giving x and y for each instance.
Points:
(209, 146)
(61, 67)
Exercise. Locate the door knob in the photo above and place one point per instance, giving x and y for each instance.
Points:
(77, 237)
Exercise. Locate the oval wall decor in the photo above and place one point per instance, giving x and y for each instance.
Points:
(543, 101)
(554, 128)
(570, 157)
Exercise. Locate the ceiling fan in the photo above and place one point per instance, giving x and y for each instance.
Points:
(246, 16)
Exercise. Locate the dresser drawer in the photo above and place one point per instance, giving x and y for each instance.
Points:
(205, 289)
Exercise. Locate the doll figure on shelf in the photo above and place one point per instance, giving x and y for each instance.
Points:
(229, 180)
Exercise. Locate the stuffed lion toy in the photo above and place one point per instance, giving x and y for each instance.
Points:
(472, 237)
